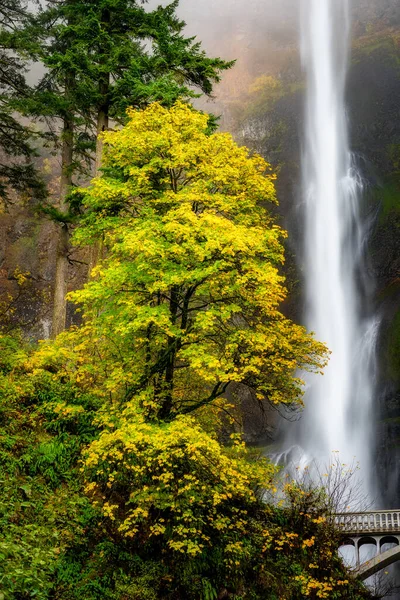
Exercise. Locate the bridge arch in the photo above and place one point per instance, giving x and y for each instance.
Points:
(363, 541)
(389, 539)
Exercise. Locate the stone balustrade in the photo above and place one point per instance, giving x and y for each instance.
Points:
(371, 522)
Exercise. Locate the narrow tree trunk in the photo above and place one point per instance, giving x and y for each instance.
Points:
(61, 278)
(104, 91)
(102, 125)
(167, 401)
(96, 250)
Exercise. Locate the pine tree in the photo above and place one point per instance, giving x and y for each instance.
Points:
(58, 100)
(100, 58)
(16, 150)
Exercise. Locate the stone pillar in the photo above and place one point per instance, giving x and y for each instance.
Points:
(357, 549)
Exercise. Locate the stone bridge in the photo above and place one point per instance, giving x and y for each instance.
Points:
(374, 527)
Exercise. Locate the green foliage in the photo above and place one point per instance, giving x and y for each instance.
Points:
(10, 353)
(167, 511)
(173, 485)
(16, 140)
(393, 364)
(101, 57)
(41, 508)
(264, 93)
(385, 41)
(388, 196)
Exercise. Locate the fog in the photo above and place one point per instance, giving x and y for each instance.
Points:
(262, 35)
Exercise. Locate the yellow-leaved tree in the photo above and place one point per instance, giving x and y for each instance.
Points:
(187, 300)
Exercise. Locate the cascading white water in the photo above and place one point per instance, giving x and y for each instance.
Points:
(337, 414)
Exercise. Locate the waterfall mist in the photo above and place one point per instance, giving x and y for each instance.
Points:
(338, 405)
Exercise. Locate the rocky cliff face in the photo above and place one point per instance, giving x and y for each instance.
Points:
(374, 108)
(27, 246)
(28, 243)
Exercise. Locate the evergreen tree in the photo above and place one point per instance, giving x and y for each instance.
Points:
(100, 58)
(16, 152)
(58, 99)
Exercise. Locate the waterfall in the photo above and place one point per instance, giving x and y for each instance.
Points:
(338, 405)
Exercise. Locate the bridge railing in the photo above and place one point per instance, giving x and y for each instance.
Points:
(369, 522)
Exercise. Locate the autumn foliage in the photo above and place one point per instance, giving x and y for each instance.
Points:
(187, 299)
(124, 417)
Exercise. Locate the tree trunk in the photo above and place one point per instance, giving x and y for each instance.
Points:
(61, 278)
(167, 401)
(96, 250)
(104, 91)
(102, 125)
